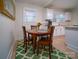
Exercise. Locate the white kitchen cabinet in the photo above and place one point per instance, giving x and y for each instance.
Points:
(59, 30)
(71, 38)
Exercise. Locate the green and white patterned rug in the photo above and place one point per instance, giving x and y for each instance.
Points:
(44, 54)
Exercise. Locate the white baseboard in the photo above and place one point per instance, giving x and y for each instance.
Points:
(74, 48)
(11, 51)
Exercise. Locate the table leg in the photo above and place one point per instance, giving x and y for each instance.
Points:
(34, 43)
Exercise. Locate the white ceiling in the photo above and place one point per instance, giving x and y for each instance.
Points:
(64, 4)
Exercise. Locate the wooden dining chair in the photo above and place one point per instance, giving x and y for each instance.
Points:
(26, 38)
(47, 42)
(45, 36)
(33, 27)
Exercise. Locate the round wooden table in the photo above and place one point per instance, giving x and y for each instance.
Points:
(36, 33)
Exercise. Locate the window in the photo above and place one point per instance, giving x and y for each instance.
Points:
(29, 15)
(60, 18)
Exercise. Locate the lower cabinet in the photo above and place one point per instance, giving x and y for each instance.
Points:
(71, 39)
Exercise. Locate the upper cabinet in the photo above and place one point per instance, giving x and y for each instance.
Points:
(58, 15)
(67, 16)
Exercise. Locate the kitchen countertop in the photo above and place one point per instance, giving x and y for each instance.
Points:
(72, 27)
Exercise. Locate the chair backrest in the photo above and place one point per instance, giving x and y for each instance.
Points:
(51, 31)
(24, 32)
(33, 27)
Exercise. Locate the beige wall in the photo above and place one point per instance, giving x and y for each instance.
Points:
(75, 16)
(6, 35)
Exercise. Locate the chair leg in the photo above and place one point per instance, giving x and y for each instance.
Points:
(24, 44)
(34, 46)
(32, 41)
(37, 48)
(44, 47)
(25, 47)
(51, 48)
(49, 51)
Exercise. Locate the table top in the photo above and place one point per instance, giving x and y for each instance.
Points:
(38, 32)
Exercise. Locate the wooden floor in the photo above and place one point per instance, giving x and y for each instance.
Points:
(59, 43)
